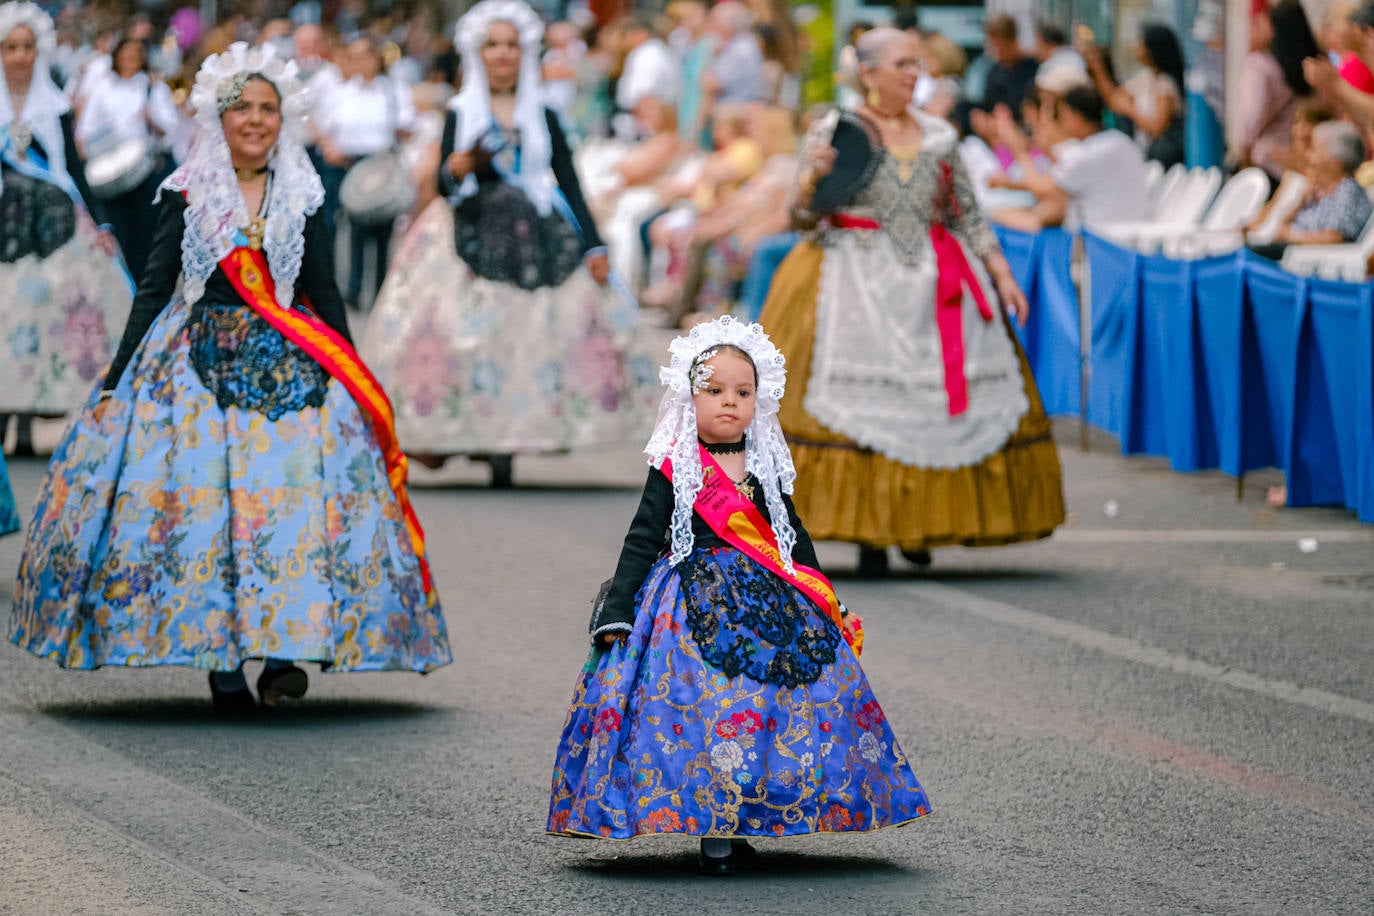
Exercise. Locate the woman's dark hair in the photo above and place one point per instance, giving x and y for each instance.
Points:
(1162, 48)
(1293, 43)
(262, 78)
(121, 44)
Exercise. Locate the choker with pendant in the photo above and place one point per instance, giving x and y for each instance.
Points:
(249, 174)
(724, 448)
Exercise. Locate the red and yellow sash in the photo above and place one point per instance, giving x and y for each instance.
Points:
(247, 270)
(739, 523)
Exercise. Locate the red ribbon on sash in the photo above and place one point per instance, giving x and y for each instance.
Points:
(247, 270)
(739, 523)
(953, 273)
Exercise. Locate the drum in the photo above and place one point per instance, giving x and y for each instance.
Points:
(377, 190)
(121, 168)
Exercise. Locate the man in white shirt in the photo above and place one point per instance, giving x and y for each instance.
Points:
(1053, 51)
(735, 75)
(1098, 175)
(650, 70)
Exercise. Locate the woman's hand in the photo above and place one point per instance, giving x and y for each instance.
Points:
(461, 165)
(852, 624)
(599, 266)
(821, 162)
(1013, 300)
(101, 408)
(1321, 74)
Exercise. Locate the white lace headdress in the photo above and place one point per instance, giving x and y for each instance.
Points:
(45, 103)
(473, 102)
(766, 455)
(216, 210)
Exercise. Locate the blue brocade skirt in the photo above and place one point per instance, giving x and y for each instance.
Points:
(231, 505)
(658, 740)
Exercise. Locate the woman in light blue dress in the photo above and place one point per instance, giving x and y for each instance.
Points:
(233, 491)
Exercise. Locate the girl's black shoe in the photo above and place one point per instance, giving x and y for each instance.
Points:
(277, 684)
(917, 557)
(716, 865)
(232, 702)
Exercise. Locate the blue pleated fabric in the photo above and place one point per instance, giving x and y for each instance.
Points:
(659, 741)
(202, 528)
(9, 516)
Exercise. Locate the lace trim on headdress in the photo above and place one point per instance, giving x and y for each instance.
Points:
(45, 104)
(473, 102)
(675, 434)
(216, 210)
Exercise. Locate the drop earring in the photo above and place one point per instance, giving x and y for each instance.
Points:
(873, 98)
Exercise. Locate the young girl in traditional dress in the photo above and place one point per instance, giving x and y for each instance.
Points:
(725, 698)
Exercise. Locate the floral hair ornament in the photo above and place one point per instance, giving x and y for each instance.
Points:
(766, 455)
(215, 208)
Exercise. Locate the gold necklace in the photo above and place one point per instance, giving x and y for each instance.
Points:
(249, 174)
(743, 487)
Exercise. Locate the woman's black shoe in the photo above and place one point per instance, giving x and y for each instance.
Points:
(231, 702)
(277, 684)
(502, 471)
(873, 563)
(917, 557)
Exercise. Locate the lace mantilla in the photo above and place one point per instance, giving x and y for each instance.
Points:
(675, 435)
(215, 208)
(473, 102)
(45, 103)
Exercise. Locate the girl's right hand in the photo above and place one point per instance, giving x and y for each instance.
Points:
(608, 640)
(101, 407)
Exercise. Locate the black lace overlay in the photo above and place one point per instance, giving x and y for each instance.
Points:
(501, 236)
(248, 364)
(36, 217)
(746, 620)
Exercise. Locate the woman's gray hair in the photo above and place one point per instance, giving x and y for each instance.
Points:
(871, 44)
(1341, 141)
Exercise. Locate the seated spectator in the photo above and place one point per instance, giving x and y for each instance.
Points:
(1098, 175)
(1053, 52)
(1295, 159)
(1337, 208)
(944, 62)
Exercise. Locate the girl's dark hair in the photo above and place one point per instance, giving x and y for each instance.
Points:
(120, 45)
(711, 353)
(1162, 48)
(1293, 43)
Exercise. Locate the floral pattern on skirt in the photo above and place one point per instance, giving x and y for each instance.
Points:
(9, 515)
(475, 365)
(59, 317)
(176, 532)
(658, 741)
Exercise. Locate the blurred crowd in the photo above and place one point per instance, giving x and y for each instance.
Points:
(686, 124)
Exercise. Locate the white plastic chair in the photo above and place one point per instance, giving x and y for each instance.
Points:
(1167, 187)
(1180, 209)
(1287, 199)
(1221, 231)
(1349, 262)
(1154, 179)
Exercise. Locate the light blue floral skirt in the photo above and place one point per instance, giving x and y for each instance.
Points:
(232, 504)
(657, 740)
(9, 516)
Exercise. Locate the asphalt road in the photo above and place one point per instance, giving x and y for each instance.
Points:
(1167, 708)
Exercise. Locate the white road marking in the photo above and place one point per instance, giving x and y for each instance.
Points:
(1209, 536)
(1132, 650)
(194, 834)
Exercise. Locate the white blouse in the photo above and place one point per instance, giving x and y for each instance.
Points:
(362, 118)
(113, 112)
